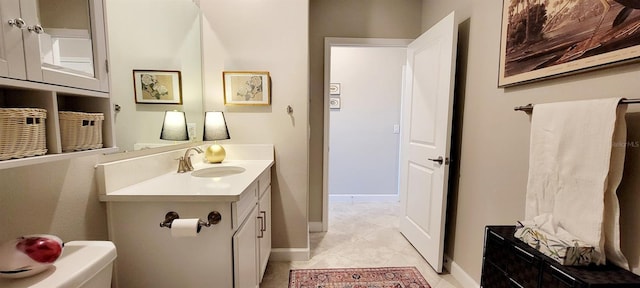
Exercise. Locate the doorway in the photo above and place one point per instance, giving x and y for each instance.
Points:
(363, 89)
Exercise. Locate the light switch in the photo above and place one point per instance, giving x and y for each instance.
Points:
(396, 129)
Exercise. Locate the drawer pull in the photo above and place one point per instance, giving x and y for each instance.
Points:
(496, 235)
(515, 284)
(261, 225)
(524, 252)
(562, 273)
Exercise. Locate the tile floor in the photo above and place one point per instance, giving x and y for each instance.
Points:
(360, 235)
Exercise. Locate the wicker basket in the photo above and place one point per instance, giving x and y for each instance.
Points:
(22, 132)
(80, 131)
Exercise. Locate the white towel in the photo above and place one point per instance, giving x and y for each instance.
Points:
(575, 168)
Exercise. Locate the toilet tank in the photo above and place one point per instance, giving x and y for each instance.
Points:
(83, 264)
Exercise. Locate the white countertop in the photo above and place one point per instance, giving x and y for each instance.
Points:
(183, 187)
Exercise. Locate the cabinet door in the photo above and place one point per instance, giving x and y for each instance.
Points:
(265, 231)
(245, 252)
(65, 43)
(11, 49)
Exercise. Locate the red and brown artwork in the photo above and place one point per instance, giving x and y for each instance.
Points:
(549, 38)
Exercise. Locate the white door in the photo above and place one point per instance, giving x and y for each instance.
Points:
(426, 117)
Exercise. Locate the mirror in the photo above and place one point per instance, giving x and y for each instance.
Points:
(65, 36)
(160, 35)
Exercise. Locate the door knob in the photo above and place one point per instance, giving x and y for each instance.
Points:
(439, 160)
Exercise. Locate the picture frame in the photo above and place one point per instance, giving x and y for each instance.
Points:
(559, 43)
(334, 103)
(334, 89)
(157, 87)
(246, 87)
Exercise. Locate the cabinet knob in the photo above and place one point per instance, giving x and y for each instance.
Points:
(36, 29)
(18, 23)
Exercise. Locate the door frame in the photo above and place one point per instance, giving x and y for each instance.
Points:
(330, 42)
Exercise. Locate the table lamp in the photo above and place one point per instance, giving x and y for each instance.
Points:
(174, 126)
(215, 128)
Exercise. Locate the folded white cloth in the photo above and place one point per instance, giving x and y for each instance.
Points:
(575, 168)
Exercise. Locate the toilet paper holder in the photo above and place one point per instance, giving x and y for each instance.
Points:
(213, 218)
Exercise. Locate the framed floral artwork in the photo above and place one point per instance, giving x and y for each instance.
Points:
(246, 88)
(157, 87)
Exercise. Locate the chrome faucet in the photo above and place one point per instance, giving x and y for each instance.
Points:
(184, 164)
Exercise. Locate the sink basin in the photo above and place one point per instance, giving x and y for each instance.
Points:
(217, 171)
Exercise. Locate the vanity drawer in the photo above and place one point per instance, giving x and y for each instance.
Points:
(242, 208)
(264, 181)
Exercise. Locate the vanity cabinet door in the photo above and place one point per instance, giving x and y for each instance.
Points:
(11, 49)
(264, 235)
(245, 252)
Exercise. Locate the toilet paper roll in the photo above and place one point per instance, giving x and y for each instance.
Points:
(185, 228)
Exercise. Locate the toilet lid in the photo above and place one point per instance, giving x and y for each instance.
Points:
(80, 260)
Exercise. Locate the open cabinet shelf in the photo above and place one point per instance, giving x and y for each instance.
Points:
(54, 102)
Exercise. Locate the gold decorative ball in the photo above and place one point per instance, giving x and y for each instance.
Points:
(215, 153)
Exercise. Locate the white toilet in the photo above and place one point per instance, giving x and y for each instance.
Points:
(83, 264)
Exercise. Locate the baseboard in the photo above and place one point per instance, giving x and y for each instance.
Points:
(290, 254)
(351, 198)
(315, 227)
(459, 274)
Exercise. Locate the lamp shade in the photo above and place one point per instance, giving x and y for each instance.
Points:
(174, 126)
(215, 127)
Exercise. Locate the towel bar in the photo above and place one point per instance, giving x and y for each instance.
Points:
(529, 107)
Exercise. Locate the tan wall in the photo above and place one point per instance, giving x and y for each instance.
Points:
(495, 139)
(346, 18)
(58, 198)
(266, 36)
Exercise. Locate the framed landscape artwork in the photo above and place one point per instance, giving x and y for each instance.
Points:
(549, 38)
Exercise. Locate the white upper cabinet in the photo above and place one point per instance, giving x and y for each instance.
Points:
(54, 42)
(11, 49)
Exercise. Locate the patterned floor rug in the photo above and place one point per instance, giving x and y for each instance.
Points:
(385, 277)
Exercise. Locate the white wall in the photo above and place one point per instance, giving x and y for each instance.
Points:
(363, 155)
(266, 36)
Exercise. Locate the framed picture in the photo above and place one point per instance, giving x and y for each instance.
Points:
(552, 38)
(334, 103)
(157, 86)
(334, 89)
(246, 88)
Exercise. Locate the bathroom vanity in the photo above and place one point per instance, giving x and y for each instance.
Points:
(232, 251)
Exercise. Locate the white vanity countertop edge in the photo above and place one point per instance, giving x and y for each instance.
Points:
(182, 187)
